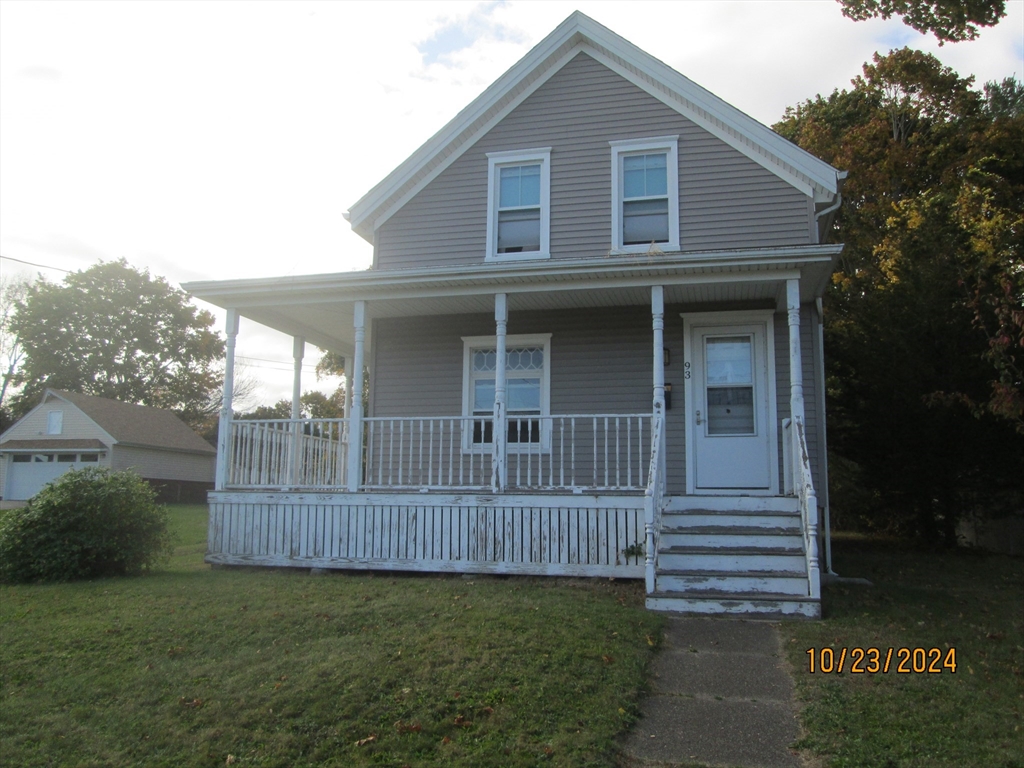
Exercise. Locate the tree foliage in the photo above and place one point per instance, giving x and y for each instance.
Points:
(86, 524)
(924, 323)
(950, 21)
(116, 332)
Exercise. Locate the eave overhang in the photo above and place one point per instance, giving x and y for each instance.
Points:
(319, 308)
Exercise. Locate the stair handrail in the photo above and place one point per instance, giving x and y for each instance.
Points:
(803, 482)
(654, 498)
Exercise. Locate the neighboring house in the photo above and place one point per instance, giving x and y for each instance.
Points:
(592, 331)
(71, 431)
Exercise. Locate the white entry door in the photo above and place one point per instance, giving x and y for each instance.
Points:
(730, 405)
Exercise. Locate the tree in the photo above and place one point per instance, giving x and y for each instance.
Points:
(951, 21)
(12, 295)
(116, 332)
(924, 316)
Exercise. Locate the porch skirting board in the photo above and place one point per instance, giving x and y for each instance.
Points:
(529, 535)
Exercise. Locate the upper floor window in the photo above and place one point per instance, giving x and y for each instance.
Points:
(54, 422)
(645, 194)
(518, 204)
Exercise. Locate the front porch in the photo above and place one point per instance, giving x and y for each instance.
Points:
(549, 469)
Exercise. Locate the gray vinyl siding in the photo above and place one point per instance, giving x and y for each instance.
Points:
(601, 362)
(726, 200)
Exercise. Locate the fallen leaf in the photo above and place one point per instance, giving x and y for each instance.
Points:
(548, 751)
(488, 710)
(363, 742)
(230, 760)
(462, 722)
(650, 641)
(194, 704)
(446, 740)
(408, 727)
(607, 659)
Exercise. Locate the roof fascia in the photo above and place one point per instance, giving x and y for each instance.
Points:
(577, 33)
(510, 277)
(520, 71)
(148, 446)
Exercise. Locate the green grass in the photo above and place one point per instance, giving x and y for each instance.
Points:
(188, 666)
(964, 600)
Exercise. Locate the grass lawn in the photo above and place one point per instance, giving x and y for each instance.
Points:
(192, 667)
(963, 600)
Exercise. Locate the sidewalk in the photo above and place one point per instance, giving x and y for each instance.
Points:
(720, 696)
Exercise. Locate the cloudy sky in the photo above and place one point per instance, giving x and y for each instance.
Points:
(218, 140)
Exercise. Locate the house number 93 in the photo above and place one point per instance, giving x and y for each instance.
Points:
(686, 370)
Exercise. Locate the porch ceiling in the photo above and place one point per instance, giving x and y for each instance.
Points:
(320, 307)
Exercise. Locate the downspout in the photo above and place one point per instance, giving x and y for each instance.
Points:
(818, 304)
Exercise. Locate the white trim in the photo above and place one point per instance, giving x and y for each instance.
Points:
(498, 160)
(620, 149)
(578, 33)
(469, 343)
(739, 317)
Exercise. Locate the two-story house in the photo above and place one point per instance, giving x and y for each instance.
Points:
(592, 336)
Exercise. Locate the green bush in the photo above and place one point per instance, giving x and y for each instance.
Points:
(87, 523)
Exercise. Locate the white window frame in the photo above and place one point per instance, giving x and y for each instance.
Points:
(498, 160)
(620, 149)
(471, 343)
(55, 422)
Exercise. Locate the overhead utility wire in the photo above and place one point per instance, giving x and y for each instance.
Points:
(33, 264)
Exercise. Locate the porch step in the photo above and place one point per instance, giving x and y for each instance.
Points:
(737, 559)
(748, 582)
(754, 536)
(704, 518)
(732, 504)
(711, 602)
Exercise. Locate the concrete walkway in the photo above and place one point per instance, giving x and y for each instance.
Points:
(720, 696)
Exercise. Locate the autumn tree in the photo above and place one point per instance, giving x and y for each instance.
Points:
(950, 21)
(117, 332)
(923, 319)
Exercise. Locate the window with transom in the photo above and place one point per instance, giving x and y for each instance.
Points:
(527, 376)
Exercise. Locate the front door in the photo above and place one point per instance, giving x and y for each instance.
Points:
(730, 404)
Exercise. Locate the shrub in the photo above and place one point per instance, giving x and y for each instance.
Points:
(87, 523)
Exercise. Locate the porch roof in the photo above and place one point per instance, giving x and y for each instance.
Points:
(320, 307)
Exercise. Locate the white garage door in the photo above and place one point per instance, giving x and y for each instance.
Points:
(28, 473)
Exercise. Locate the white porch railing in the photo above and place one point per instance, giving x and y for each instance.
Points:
(287, 453)
(654, 496)
(412, 453)
(593, 452)
(796, 459)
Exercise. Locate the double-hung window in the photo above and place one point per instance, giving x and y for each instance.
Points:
(645, 194)
(527, 387)
(518, 204)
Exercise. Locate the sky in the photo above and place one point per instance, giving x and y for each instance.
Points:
(221, 140)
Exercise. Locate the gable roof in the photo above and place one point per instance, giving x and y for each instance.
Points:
(137, 425)
(579, 33)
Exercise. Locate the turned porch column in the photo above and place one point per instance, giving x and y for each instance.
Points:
(355, 420)
(346, 364)
(295, 465)
(500, 429)
(658, 325)
(796, 371)
(224, 427)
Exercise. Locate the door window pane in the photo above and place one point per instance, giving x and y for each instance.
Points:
(729, 360)
(730, 410)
